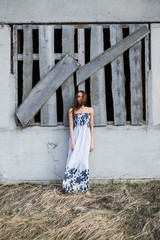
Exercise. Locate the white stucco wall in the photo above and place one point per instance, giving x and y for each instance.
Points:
(7, 82)
(155, 79)
(40, 153)
(57, 11)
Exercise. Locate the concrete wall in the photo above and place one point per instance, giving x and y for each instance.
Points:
(58, 11)
(40, 153)
(155, 79)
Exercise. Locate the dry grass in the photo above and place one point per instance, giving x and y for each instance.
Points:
(115, 211)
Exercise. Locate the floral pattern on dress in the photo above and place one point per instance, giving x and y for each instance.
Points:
(76, 181)
(81, 119)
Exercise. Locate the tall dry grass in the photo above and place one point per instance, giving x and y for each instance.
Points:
(115, 211)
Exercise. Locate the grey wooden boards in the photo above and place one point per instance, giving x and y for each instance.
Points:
(65, 68)
(45, 88)
(110, 54)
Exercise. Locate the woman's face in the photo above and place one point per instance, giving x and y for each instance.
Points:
(80, 97)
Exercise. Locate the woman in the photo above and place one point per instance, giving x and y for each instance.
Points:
(76, 179)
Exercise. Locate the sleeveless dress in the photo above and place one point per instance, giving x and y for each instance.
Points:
(76, 178)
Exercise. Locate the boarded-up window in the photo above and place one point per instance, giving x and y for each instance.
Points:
(117, 92)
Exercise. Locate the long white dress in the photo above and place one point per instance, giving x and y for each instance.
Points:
(76, 178)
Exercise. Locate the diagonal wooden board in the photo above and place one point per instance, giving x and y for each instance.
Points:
(110, 54)
(45, 88)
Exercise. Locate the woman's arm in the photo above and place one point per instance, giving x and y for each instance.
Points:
(91, 128)
(70, 113)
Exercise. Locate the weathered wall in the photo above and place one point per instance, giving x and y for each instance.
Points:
(37, 153)
(7, 87)
(57, 11)
(154, 84)
(40, 153)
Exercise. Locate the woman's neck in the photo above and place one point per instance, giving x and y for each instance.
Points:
(81, 108)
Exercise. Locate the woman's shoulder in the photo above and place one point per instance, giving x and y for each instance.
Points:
(70, 110)
(89, 110)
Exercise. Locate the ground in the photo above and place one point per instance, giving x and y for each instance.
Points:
(116, 211)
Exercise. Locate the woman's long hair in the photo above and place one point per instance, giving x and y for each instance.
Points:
(78, 105)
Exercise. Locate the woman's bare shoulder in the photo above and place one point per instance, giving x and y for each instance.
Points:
(70, 110)
(90, 109)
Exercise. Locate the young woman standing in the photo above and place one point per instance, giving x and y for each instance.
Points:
(76, 179)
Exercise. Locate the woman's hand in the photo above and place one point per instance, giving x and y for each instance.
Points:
(91, 129)
(91, 147)
(73, 146)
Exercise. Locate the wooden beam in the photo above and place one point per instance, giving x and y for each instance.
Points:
(118, 79)
(15, 65)
(81, 53)
(147, 95)
(43, 90)
(135, 61)
(110, 54)
(83, 26)
(46, 62)
(27, 61)
(97, 83)
(57, 56)
(68, 89)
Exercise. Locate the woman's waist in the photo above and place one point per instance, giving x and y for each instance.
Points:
(86, 125)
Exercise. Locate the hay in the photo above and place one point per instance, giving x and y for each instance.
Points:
(116, 211)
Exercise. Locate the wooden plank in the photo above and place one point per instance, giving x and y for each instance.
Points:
(57, 56)
(118, 79)
(135, 61)
(84, 26)
(46, 62)
(97, 83)
(68, 89)
(45, 88)
(110, 54)
(146, 45)
(15, 65)
(81, 54)
(27, 61)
